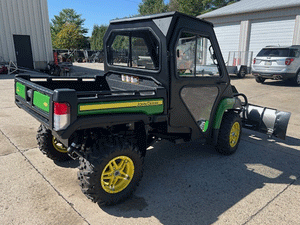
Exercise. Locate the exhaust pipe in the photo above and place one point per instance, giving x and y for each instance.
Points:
(277, 77)
(265, 120)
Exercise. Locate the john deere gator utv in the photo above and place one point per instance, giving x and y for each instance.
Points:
(165, 78)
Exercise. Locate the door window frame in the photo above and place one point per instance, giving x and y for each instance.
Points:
(202, 35)
(116, 32)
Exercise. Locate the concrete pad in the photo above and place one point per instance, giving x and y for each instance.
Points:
(26, 198)
(250, 205)
(284, 208)
(290, 145)
(24, 137)
(193, 183)
(14, 115)
(19, 126)
(63, 176)
(6, 147)
(6, 82)
(8, 99)
(7, 90)
(183, 183)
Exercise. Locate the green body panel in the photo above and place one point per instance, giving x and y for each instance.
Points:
(20, 90)
(146, 106)
(226, 103)
(41, 101)
(205, 126)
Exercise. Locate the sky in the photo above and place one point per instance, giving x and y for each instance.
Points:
(95, 11)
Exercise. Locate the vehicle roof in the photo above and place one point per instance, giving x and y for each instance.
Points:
(157, 16)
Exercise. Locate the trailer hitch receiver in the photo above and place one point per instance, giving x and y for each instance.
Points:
(266, 120)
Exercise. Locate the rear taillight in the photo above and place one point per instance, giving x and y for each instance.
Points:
(61, 117)
(288, 61)
(254, 60)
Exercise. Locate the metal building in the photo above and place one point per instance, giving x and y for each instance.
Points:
(250, 25)
(25, 36)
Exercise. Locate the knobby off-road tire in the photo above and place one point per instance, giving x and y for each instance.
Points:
(110, 171)
(50, 146)
(230, 133)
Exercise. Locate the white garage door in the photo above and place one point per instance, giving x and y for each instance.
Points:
(228, 37)
(276, 32)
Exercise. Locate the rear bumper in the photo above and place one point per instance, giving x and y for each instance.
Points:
(274, 75)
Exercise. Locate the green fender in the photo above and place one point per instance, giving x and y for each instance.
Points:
(225, 104)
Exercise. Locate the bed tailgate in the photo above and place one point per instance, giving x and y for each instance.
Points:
(34, 99)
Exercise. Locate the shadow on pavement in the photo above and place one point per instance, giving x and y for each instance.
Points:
(247, 77)
(67, 164)
(279, 83)
(192, 184)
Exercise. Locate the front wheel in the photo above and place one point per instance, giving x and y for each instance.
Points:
(230, 133)
(111, 171)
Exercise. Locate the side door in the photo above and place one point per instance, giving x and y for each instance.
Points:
(197, 84)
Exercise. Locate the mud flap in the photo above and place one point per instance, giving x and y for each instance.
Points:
(266, 120)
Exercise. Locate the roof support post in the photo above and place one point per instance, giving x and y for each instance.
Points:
(244, 41)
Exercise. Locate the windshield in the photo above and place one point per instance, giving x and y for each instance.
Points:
(276, 52)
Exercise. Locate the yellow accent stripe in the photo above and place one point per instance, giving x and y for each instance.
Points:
(120, 105)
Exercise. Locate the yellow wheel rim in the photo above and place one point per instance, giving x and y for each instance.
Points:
(117, 174)
(59, 146)
(234, 134)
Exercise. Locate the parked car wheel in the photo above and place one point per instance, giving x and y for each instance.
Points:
(111, 171)
(242, 73)
(50, 146)
(260, 80)
(229, 134)
(297, 79)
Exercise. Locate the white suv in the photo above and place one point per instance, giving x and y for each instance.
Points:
(280, 63)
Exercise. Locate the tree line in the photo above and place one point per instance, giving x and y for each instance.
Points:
(68, 32)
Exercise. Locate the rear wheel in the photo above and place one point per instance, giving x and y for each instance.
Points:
(242, 73)
(111, 171)
(50, 146)
(297, 79)
(260, 80)
(230, 133)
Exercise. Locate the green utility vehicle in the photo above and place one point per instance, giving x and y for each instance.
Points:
(154, 88)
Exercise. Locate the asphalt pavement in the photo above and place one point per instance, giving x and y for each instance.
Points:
(182, 184)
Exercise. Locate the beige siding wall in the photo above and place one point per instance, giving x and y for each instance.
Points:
(25, 17)
(285, 29)
(296, 38)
